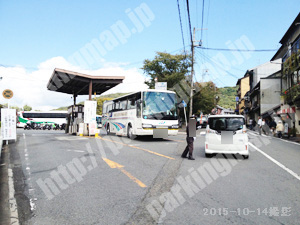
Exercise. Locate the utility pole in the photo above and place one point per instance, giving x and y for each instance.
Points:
(192, 73)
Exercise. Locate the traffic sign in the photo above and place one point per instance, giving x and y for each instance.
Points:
(184, 104)
(8, 94)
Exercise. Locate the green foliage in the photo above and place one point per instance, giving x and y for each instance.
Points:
(100, 104)
(167, 68)
(204, 100)
(11, 107)
(227, 97)
(27, 108)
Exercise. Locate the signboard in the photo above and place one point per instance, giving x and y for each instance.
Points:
(8, 94)
(161, 85)
(90, 111)
(8, 124)
(92, 128)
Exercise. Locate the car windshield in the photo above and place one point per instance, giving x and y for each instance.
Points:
(226, 123)
(159, 105)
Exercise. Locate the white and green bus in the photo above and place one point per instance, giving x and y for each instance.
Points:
(50, 117)
(141, 112)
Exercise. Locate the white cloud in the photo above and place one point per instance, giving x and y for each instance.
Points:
(30, 87)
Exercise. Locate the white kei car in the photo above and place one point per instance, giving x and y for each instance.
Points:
(226, 134)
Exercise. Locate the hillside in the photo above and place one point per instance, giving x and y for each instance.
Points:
(227, 97)
(109, 96)
(226, 94)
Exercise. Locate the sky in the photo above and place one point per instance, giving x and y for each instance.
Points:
(113, 38)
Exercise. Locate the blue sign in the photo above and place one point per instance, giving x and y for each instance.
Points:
(184, 104)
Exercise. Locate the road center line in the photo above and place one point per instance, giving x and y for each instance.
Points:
(146, 150)
(276, 162)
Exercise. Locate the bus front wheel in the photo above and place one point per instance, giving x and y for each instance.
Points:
(107, 129)
(129, 131)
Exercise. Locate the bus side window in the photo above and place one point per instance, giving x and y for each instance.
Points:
(123, 104)
(131, 103)
(117, 106)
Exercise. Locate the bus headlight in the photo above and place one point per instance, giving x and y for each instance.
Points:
(175, 126)
(146, 125)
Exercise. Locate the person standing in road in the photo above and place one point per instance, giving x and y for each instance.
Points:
(190, 144)
(265, 127)
(279, 129)
(273, 126)
(250, 124)
(259, 123)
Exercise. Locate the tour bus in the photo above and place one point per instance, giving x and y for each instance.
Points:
(140, 112)
(52, 117)
(99, 121)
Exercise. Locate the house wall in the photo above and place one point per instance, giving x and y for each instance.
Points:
(265, 70)
(245, 86)
(269, 94)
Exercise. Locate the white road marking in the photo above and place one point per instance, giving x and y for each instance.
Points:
(32, 204)
(70, 138)
(276, 162)
(291, 142)
(253, 134)
(28, 177)
(75, 150)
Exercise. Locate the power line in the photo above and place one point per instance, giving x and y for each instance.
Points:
(238, 50)
(181, 27)
(190, 26)
(218, 65)
(202, 19)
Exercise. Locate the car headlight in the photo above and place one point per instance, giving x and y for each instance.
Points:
(146, 125)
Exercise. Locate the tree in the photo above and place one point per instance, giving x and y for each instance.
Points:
(205, 99)
(167, 68)
(100, 104)
(27, 108)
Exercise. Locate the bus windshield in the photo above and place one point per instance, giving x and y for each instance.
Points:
(159, 106)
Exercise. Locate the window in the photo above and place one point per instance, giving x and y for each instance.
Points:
(294, 80)
(226, 123)
(131, 103)
(123, 104)
(117, 106)
(109, 107)
(44, 115)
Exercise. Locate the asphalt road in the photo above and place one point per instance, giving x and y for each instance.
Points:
(63, 179)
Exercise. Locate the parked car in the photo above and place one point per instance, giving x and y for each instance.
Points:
(226, 134)
(201, 122)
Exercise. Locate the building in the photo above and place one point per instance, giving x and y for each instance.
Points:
(290, 75)
(243, 87)
(249, 92)
(221, 111)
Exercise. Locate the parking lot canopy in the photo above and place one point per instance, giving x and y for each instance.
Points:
(81, 84)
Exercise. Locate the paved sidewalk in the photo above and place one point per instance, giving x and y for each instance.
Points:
(285, 138)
